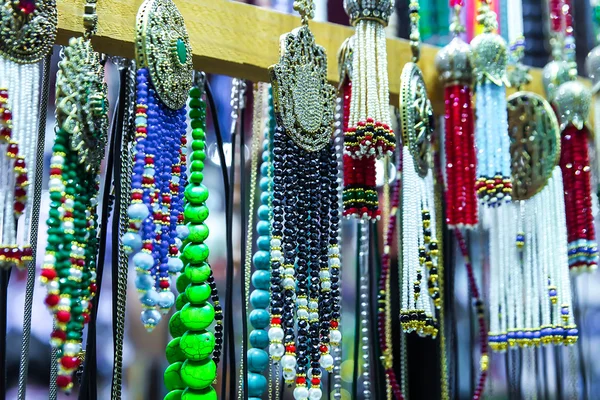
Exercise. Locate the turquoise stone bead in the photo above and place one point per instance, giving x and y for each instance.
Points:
(259, 338)
(261, 279)
(263, 243)
(197, 345)
(264, 169)
(263, 212)
(258, 318)
(196, 253)
(265, 197)
(264, 184)
(262, 259)
(257, 360)
(196, 194)
(263, 228)
(265, 156)
(198, 293)
(260, 298)
(257, 384)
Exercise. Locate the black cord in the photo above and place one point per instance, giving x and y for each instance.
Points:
(378, 380)
(355, 356)
(4, 279)
(226, 185)
(243, 243)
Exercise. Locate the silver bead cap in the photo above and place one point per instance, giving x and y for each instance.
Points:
(490, 58)
(376, 10)
(592, 67)
(572, 104)
(554, 74)
(454, 63)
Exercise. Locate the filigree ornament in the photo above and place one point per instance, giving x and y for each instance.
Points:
(490, 58)
(303, 100)
(416, 116)
(454, 63)
(572, 102)
(81, 101)
(163, 46)
(534, 143)
(27, 29)
(374, 10)
(554, 74)
(345, 54)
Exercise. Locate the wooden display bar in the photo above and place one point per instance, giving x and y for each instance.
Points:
(241, 40)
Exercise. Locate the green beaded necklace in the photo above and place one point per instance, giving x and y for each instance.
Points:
(193, 371)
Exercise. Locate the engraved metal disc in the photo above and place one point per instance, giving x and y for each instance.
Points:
(27, 29)
(81, 102)
(416, 117)
(534, 143)
(303, 100)
(163, 46)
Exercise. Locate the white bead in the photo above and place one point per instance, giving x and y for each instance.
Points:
(275, 334)
(313, 305)
(276, 254)
(334, 261)
(288, 361)
(289, 283)
(64, 302)
(275, 242)
(335, 336)
(289, 374)
(84, 304)
(75, 273)
(325, 284)
(314, 316)
(49, 259)
(302, 313)
(71, 348)
(52, 286)
(326, 361)
(289, 271)
(57, 160)
(301, 393)
(69, 203)
(315, 394)
(324, 274)
(302, 302)
(56, 184)
(276, 349)
(334, 250)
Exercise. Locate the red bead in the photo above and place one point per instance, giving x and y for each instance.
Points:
(69, 362)
(62, 381)
(333, 324)
(300, 380)
(52, 300)
(275, 321)
(93, 287)
(21, 179)
(315, 381)
(63, 316)
(164, 284)
(86, 317)
(323, 348)
(19, 207)
(48, 273)
(58, 335)
(290, 348)
(20, 192)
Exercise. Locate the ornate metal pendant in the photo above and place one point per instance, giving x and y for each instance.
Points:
(303, 100)
(163, 46)
(534, 143)
(27, 29)
(81, 102)
(416, 115)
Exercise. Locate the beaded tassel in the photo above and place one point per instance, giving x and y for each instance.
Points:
(195, 350)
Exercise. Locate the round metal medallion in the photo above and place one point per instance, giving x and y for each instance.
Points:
(27, 29)
(416, 117)
(163, 46)
(534, 143)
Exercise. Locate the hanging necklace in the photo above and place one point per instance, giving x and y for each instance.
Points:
(156, 213)
(305, 212)
(419, 248)
(369, 135)
(454, 66)
(27, 33)
(69, 269)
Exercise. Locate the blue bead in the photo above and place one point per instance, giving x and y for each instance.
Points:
(257, 384)
(182, 231)
(263, 228)
(166, 299)
(144, 282)
(150, 318)
(138, 211)
(149, 298)
(263, 212)
(262, 259)
(264, 184)
(175, 265)
(257, 360)
(264, 169)
(143, 261)
(133, 241)
(261, 279)
(259, 319)
(263, 243)
(265, 197)
(260, 298)
(259, 338)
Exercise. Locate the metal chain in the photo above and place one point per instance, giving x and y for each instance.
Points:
(257, 121)
(35, 221)
(125, 183)
(445, 392)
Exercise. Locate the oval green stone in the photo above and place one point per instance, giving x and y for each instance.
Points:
(198, 293)
(197, 318)
(196, 194)
(176, 326)
(181, 301)
(195, 214)
(196, 253)
(198, 374)
(197, 345)
(208, 393)
(198, 232)
(172, 377)
(181, 51)
(197, 273)
(174, 395)
(173, 351)
(198, 133)
(195, 92)
(181, 283)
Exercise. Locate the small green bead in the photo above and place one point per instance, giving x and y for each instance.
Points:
(196, 113)
(197, 318)
(198, 374)
(181, 301)
(197, 345)
(55, 196)
(181, 283)
(174, 395)
(198, 293)
(196, 177)
(198, 145)
(208, 393)
(198, 232)
(197, 166)
(198, 155)
(176, 326)
(195, 102)
(197, 273)
(198, 134)
(173, 351)
(54, 222)
(196, 194)
(172, 377)
(196, 123)
(195, 92)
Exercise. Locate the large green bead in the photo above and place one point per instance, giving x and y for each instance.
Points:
(197, 273)
(198, 293)
(173, 351)
(198, 134)
(208, 393)
(197, 166)
(197, 345)
(195, 92)
(176, 326)
(181, 283)
(198, 374)
(198, 155)
(196, 253)
(196, 113)
(198, 232)
(174, 395)
(197, 318)
(196, 194)
(195, 214)
(181, 301)
(172, 377)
